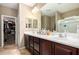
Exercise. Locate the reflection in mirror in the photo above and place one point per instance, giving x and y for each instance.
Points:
(54, 14)
(29, 23)
(35, 23)
(32, 23)
(48, 22)
(69, 24)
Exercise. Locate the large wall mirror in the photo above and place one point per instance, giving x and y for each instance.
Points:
(31, 23)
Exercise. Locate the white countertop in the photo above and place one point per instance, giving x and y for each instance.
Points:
(71, 39)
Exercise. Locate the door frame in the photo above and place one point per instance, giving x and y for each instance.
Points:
(2, 29)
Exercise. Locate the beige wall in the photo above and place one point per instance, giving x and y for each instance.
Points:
(74, 12)
(44, 21)
(52, 23)
(58, 16)
(8, 11)
(24, 13)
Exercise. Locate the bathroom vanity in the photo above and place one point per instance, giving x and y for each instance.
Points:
(64, 42)
(50, 45)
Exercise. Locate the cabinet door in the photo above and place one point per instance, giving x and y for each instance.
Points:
(26, 41)
(31, 41)
(36, 46)
(52, 48)
(64, 50)
(78, 51)
(31, 44)
(45, 47)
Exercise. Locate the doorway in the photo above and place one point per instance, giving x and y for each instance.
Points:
(8, 30)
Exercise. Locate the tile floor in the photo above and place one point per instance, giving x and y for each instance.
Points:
(13, 50)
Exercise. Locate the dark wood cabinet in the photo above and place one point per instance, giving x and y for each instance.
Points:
(45, 47)
(64, 50)
(52, 48)
(77, 51)
(38, 46)
(31, 44)
(26, 41)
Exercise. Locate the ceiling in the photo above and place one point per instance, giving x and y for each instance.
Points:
(51, 8)
(47, 8)
(10, 5)
(15, 5)
(30, 4)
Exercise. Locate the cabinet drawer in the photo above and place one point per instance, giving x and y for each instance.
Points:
(52, 48)
(77, 51)
(37, 47)
(64, 50)
(45, 47)
(26, 41)
(31, 42)
(36, 40)
(31, 49)
(36, 52)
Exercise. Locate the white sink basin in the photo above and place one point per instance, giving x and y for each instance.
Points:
(63, 37)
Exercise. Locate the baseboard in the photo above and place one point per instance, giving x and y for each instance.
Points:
(1, 47)
(22, 47)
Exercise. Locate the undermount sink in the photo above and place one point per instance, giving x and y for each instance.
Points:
(63, 36)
